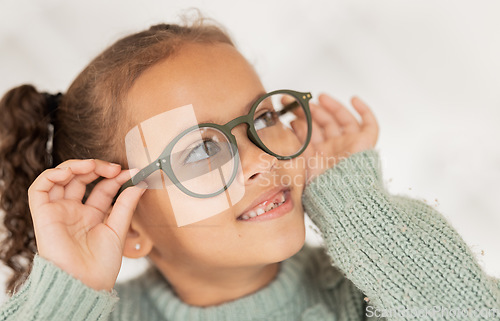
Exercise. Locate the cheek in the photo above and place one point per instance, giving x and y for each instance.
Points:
(217, 240)
(292, 172)
(202, 241)
(155, 216)
(155, 210)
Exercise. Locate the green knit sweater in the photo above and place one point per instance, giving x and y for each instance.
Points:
(392, 256)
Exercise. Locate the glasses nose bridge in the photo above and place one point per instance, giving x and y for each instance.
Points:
(245, 119)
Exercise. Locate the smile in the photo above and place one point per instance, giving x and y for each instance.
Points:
(275, 206)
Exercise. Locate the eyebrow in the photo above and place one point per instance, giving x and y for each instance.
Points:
(247, 109)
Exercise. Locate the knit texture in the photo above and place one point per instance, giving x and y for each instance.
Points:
(50, 293)
(382, 252)
(400, 251)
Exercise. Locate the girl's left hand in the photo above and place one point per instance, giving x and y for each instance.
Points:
(336, 133)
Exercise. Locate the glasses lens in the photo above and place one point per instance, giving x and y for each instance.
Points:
(273, 123)
(203, 161)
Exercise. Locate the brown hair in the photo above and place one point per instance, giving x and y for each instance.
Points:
(87, 121)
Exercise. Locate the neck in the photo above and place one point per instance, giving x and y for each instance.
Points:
(213, 286)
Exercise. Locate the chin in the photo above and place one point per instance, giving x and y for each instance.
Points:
(277, 239)
(289, 242)
(294, 243)
(293, 237)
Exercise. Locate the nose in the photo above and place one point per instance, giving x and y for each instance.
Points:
(256, 164)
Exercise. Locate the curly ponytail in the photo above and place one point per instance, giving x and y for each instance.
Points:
(23, 156)
(91, 123)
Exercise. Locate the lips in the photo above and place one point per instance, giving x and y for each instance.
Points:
(265, 203)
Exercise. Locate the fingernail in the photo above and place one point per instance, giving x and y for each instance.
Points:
(115, 165)
(134, 171)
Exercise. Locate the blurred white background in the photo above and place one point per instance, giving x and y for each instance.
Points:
(429, 69)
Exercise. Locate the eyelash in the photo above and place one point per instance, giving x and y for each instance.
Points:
(204, 141)
(262, 111)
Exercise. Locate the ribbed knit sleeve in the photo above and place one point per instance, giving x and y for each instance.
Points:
(399, 251)
(50, 293)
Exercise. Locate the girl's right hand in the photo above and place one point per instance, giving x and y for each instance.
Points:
(81, 238)
(336, 133)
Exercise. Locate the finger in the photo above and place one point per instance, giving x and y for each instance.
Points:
(317, 135)
(343, 116)
(123, 210)
(300, 129)
(104, 192)
(298, 112)
(369, 123)
(78, 166)
(77, 187)
(326, 121)
(38, 192)
(318, 131)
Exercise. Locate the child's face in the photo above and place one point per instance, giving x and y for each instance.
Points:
(216, 76)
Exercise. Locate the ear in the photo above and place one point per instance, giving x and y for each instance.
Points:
(137, 236)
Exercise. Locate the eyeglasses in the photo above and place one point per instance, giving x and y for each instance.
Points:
(202, 161)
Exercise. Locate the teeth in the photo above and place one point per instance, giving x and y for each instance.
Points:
(265, 207)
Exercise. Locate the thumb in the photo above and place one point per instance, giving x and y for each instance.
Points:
(300, 129)
(121, 215)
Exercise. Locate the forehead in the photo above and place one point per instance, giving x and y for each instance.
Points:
(214, 78)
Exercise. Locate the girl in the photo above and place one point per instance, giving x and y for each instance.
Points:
(226, 247)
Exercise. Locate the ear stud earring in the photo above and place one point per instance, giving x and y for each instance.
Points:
(137, 246)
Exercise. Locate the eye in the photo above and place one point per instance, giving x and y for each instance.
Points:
(266, 119)
(204, 150)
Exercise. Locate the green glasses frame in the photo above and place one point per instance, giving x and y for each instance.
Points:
(163, 161)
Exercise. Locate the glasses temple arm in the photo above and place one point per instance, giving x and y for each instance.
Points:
(288, 107)
(139, 177)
